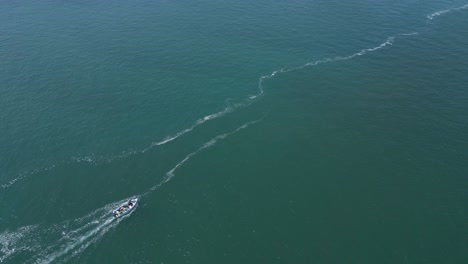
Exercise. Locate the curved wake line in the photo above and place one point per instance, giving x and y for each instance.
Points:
(70, 237)
(388, 42)
(74, 244)
(185, 131)
(24, 174)
(82, 237)
(171, 173)
(443, 12)
(9, 241)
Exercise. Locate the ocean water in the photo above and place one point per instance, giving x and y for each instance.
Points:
(252, 132)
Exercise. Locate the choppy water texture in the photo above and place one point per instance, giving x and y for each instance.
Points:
(266, 132)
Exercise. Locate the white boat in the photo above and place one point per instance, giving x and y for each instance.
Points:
(125, 208)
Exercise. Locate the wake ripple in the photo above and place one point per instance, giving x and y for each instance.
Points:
(171, 173)
(446, 11)
(197, 123)
(43, 245)
(24, 174)
(11, 242)
(388, 42)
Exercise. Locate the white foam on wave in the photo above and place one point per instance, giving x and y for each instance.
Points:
(446, 11)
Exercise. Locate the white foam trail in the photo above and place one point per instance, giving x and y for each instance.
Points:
(443, 12)
(124, 154)
(11, 182)
(13, 242)
(77, 242)
(96, 160)
(185, 131)
(60, 241)
(409, 34)
(24, 174)
(170, 174)
(388, 42)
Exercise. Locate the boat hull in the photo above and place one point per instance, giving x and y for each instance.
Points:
(125, 208)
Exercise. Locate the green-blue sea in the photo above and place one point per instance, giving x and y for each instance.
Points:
(269, 131)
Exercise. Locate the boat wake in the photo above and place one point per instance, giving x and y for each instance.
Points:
(446, 11)
(13, 242)
(59, 242)
(171, 173)
(70, 238)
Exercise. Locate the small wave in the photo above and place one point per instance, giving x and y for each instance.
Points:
(446, 11)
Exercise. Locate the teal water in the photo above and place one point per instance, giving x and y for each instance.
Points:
(267, 132)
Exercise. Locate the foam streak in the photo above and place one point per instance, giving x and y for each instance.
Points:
(56, 243)
(185, 131)
(170, 174)
(444, 12)
(388, 42)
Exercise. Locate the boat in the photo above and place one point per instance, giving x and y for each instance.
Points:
(125, 208)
